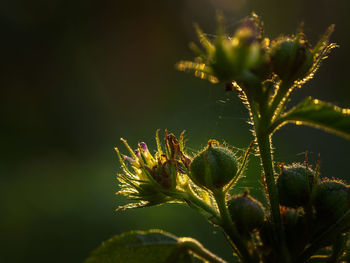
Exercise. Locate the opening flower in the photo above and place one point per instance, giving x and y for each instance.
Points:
(153, 179)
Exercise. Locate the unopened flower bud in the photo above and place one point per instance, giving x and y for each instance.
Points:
(214, 167)
(294, 185)
(241, 58)
(246, 213)
(332, 199)
(292, 59)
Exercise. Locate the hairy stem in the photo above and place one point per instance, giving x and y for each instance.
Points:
(261, 124)
(280, 99)
(264, 145)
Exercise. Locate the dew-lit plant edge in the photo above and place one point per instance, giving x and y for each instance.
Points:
(307, 216)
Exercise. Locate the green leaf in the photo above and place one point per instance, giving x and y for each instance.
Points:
(153, 246)
(318, 114)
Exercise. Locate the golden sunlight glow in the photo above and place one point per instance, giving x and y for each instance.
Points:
(345, 111)
(235, 42)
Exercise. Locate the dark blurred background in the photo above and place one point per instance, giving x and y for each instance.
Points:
(78, 75)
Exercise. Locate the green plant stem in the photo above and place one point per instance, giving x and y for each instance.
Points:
(197, 248)
(264, 145)
(230, 229)
(262, 122)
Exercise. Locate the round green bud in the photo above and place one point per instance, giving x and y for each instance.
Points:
(291, 59)
(246, 212)
(236, 58)
(294, 185)
(214, 167)
(332, 199)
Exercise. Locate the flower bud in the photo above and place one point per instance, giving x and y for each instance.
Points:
(235, 58)
(292, 59)
(214, 167)
(332, 199)
(246, 213)
(241, 57)
(151, 180)
(294, 185)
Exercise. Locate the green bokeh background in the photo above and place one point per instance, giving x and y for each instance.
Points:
(78, 75)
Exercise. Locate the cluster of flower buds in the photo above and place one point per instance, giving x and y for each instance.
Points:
(332, 200)
(170, 175)
(299, 187)
(215, 168)
(241, 58)
(248, 59)
(310, 206)
(307, 203)
(152, 178)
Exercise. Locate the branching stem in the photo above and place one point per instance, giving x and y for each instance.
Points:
(264, 145)
(262, 122)
(280, 100)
